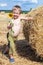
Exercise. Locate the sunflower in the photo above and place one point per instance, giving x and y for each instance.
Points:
(10, 15)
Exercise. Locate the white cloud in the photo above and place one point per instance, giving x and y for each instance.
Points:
(31, 1)
(21, 0)
(34, 1)
(3, 4)
(19, 4)
(25, 0)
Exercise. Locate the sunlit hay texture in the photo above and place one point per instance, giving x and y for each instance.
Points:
(33, 30)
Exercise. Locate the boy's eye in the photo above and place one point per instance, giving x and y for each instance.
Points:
(15, 12)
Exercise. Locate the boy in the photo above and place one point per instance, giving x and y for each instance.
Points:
(14, 28)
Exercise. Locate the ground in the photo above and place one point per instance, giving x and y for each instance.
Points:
(23, 54)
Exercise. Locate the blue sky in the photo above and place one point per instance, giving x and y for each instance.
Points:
(25, 4)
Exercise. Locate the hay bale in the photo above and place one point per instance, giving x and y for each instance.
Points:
(3, 28)
(33, 30)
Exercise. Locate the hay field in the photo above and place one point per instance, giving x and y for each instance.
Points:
(22, 54)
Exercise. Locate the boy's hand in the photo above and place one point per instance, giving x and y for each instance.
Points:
(9, 27)
(30, 18)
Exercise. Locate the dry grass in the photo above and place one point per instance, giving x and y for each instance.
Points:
(34, 30)
(22, 48)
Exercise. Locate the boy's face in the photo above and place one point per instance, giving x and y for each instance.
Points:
(16, 12)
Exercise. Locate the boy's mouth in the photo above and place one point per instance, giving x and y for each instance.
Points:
(15, 16)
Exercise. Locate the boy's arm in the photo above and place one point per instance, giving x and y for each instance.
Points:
(26, 18)
(9, 25)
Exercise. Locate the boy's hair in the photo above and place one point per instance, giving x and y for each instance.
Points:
(17, 6)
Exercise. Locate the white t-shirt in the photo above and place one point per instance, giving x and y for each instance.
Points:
(16, 26)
